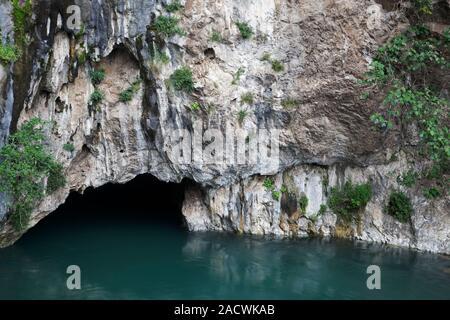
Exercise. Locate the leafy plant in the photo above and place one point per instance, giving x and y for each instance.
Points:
(161, 57)
(303, 203)
(69, 147)
(181, 80)
(284, 189)
(424, 7)
(242, 114)
(276, 195)
(128, 94)
(25, 164)
(277, 66)
(245, 30)
(216, 36)
(399, 206)
(364, 96)
(269, 184)
(322, 210)
(167, 26)
(22, 11)
(431, 193)
(97, 76)
(349, 199)
(96, 97)
(289, 103)
(399, 65)
(195, 106)
(82, 57)
(408, 179)
(8, 53)
(173, 7)
(247, 98)
(237, 76)
(81, 32)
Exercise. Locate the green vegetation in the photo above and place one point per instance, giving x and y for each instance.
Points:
(22, 11)
(247, 98)
(69, 147)
(276, 195)
(322, 210)
(364, 96)
(8, 53)
(399, 206)
(216, 36)
(161, 57)
(402, 66)
(269, 184)
(347, 201)
(80, 33)
(411, 69)
(181, 80)
(423, 7)
(431, 193)
(242, 114)
(438, 170)
(97, 76)
(173, 7)
(277, 66)
(195, 107)
(284, 189)
(237, 76)
(289, 103)
(303, 203)
(167, 26)
(96, 98)
(25, 165)
(128, 94)
(245, 30)
(82, 57)
(408, 179)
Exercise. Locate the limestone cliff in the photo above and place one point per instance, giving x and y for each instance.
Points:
(327, 138)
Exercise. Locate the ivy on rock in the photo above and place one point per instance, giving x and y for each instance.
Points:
(28, 171)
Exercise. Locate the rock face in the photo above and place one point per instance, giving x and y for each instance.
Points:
(311, 111)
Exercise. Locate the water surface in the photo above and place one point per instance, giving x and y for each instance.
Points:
(128, 252)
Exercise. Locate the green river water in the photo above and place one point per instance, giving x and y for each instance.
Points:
(133, 252)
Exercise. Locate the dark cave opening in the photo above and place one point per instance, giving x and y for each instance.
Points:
(144, 199)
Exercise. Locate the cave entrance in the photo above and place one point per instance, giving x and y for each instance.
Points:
(143, 200)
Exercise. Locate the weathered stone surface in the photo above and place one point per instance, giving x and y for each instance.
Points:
(325, 46)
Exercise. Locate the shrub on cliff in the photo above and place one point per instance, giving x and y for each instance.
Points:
(399, 206)
(8, 53)
(303, 203)
(410, 68)
(245, 30)
(181, 80)
(128, 94)
(347, 201)
(167, 26)
(25, 165)
(97, 76)
(96, 98)
(174, 6)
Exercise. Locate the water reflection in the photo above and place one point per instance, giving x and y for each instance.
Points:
(143, 259)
